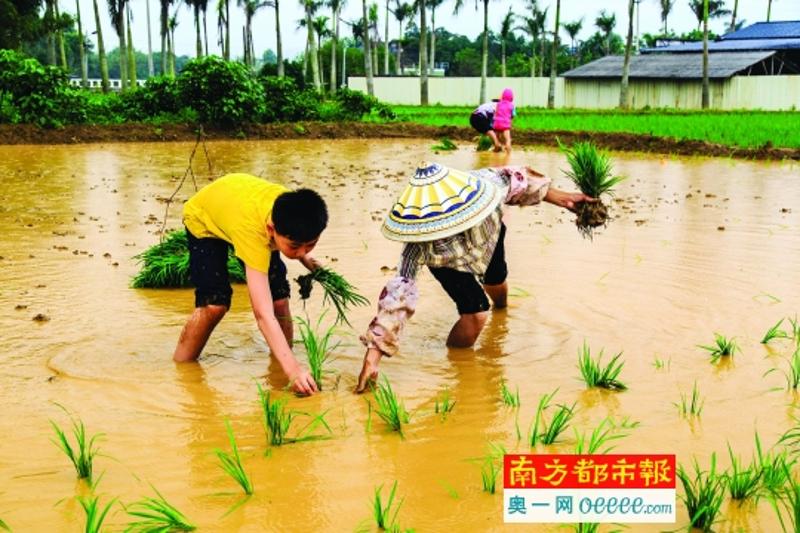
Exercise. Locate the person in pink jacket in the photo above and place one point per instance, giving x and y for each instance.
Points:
(503, 115)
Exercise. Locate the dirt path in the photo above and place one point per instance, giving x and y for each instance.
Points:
(27, 134)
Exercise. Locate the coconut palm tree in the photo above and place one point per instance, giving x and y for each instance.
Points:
(572, 29)
(386, 41)
(101, 49)
(733, 15)
(532, 29)
(82, 47)
(164, 30)
(60, 36)
(172, 24)
(375, 34)
(485, 39)
(626, 65)
(279, 44)
(336, 8)
(505, 31)
(116, 10)
(320, 24)
(203, 4)
(605, 22)
(151, 71)
(309, 8)
(769, 9)
(401, 12)
(551, 93)
(251, 7)
(666, 8)
(423, 53)
(195, 6)
(716, 9)
(706, 100)
(131, 51)
(432, 5)
(367, 49)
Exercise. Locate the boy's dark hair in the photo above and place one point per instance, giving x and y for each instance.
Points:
(300, 215)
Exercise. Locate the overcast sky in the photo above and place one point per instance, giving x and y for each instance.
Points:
(468, 22)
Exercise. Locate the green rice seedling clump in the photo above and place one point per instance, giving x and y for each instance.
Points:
(318, 345)
(691, 406)
(775, 466)
(231, 462)
(510, 399)
(338, 291)
(4, 526)
(389, 407)
(484, 143)
(386, 515)
(590, 170)
(166, 264)
(278, 420)
(787, 502)
(95, 514)
(445, 145)
(775, 332)
(703, 494)
(792, 375)
(83, 452)
(722, 347)
(547, 433)
(597, 375)
(491, 466)
(743, 482)
(156, 514)
(605, 432)
(446, 405)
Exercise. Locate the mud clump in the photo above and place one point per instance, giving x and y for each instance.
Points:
(591, 215)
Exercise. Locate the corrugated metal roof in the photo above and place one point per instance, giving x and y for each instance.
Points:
(666, 66)
(736, 45)
(767, 30)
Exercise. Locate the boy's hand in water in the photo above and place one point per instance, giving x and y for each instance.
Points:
(369, 370)
(303, 383)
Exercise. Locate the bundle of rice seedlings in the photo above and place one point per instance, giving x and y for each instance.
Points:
(484, 144)
(597, 375)
(390, 407)
(83, 452)
(317, 342)
(95, 513)
(590, 170)
(231, 463)
(156, 514)
(166, 264)
(703, 494)
(385, 515)
(338, 291)
(445, 145)
(278, 419)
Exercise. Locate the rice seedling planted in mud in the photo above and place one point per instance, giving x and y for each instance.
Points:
(743, 482)
(605, 432)
(338, 291)
(691, 406)
(166, 264)
(792, 375)
(590, 170)
(4, 526)
(318, 346)
(775, 468)
(774, 333)
(386, 515)
(703, 494)
(231, 462)
(389, 407)
(491, 466)
(445, 145)
(722, 347)
(156, 514)
(278, 420)
(83, 452)
(787, 502)
(547, 433)
(446, 405)
(510, 399)
(597, 375)
(95, 514)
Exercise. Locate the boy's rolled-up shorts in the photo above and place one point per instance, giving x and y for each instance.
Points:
(208, 270)
(463, 287)
(481, 123)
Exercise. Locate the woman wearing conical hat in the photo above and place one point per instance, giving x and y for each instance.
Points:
(451, 222)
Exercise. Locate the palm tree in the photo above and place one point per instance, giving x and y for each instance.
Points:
(715, 9)
(666, 7)
(386, 41)
(320, 24)
(82, 47)
(733, 15)
(336, 7)
(505, 31)
(375, 34)
(433, 4)
(769, 9)
(423, 54)
(532, 30)
(195, 5)
(251, 7)
(367, 50)
(164, 30)
(204, 9)
(60, 36)
(605, 23)
(401, 13)
(116, 10)
(310, 58)
(279, 44)
(485, 39)
(131, 51)
(101, 49)
(572, 29)
(173, 23)
(626, 65)
(151, 71)
(705, 95)
(551, 93)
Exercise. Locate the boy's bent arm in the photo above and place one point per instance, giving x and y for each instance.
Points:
(261, 302)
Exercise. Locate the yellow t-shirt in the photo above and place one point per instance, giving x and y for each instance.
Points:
(236, 209)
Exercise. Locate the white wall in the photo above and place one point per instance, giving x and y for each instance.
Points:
(742, 92)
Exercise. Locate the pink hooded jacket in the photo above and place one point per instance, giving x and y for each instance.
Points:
(505, 111)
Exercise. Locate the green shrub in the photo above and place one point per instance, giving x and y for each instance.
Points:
(223, 93)
(356, 104)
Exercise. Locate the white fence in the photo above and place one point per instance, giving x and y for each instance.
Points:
(96, 83)
(740, 92)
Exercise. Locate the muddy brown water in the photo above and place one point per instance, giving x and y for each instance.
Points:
(697, 246)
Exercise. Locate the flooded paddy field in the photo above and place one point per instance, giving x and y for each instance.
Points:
(697, 246)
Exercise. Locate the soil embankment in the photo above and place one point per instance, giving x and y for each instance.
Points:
(72, 134)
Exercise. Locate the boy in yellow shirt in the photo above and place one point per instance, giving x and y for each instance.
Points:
(260, 220)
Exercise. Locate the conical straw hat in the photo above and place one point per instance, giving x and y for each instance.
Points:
(439, 202)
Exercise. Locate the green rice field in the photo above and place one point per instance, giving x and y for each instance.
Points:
(745, 129)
